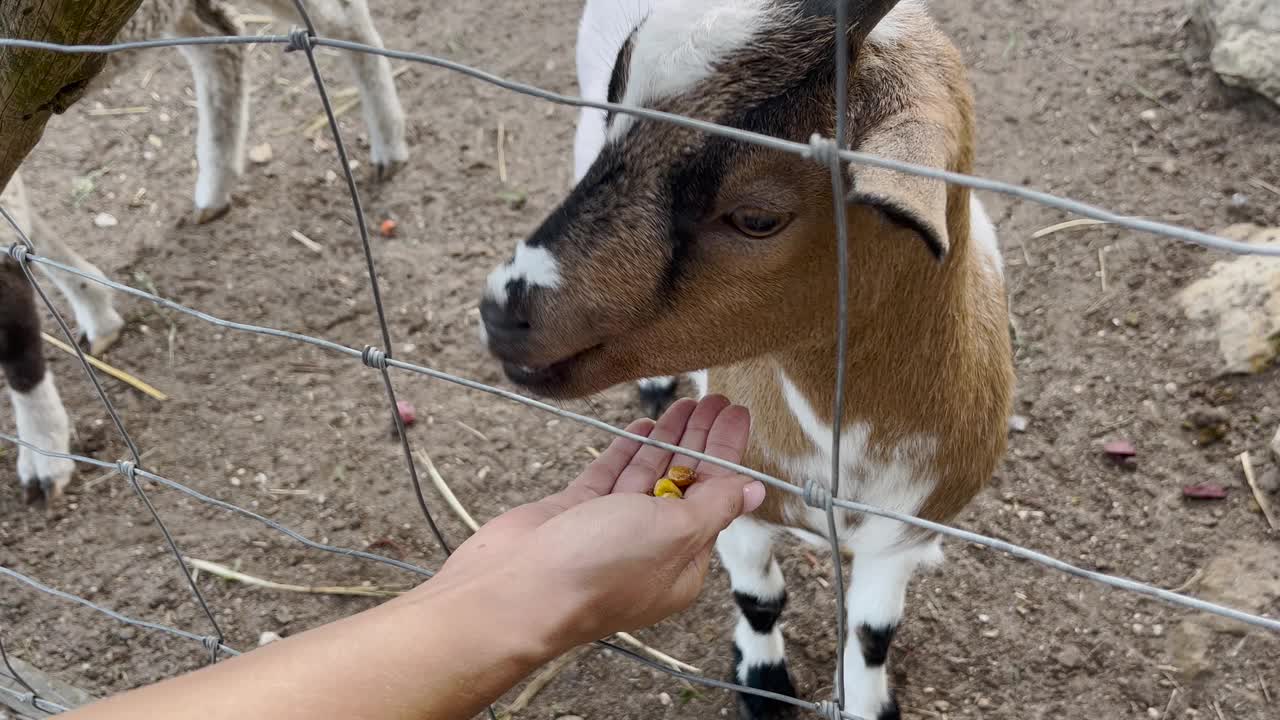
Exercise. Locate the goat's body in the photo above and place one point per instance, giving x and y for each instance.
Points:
(223, 112)
(927, 398)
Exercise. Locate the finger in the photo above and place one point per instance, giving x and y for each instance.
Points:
(727, 440)
(602, 474)
(699, 427)
(719, 500)
(651, 462)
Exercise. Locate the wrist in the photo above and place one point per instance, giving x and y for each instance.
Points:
(518, 615)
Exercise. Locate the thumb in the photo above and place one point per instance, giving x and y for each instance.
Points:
(718, 501)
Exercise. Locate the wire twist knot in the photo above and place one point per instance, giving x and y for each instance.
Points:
(18, 252)
(823, 149)
(211, 643)
(299, 39)
(374, 358)
(128, 469)
(829, 710)
(816, 494)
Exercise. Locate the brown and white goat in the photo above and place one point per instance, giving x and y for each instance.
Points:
(222, 91)
(677, 251)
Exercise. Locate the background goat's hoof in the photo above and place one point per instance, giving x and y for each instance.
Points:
(385, 170)
(656, 394)
(43, 478)
(207, 215)
(99, 337)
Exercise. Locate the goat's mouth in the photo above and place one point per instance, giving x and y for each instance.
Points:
(550, 379)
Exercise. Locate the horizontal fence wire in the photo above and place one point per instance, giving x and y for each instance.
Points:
(174, 485)
(208, 641)
(774, 482)
(823, 150)
(817, 147)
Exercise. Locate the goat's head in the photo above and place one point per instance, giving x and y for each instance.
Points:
(679, 250)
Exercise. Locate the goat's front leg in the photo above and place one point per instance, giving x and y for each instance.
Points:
(350, 20)
(877, 592)
(222, 109)
(759, 657)
(37, 408)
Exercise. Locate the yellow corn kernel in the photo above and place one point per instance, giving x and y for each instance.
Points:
(682, 476)
(667, 488)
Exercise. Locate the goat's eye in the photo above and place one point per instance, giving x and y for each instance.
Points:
(756, 222)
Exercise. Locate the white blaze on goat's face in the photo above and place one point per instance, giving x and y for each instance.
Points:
(532, 267)
(678, 250)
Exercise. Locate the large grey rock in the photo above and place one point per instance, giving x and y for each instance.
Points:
(1245, 38)
(1237, 304)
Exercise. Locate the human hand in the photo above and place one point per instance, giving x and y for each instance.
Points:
(601, 555)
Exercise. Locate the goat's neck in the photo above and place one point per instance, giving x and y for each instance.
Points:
(927, 370)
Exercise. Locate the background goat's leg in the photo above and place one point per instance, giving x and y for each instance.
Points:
(96, 318)
(746, 551)
(349, 20)
(41, 419)
(222, 96)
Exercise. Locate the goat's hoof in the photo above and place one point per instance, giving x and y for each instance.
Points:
(773, 678)
(385, 170)
(41, 477)
(202, 216)
(101, 338)
(43, 491)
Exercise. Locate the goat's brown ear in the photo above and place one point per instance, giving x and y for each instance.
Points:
(914, 202)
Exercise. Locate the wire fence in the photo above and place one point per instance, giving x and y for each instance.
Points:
(381, 358)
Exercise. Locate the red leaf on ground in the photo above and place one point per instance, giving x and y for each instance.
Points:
(1204, 491)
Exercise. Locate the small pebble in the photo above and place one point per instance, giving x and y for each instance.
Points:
(665, 699)
(105, 220)
(260, 154)
(235, 481)
(1019, 423)
(268, 637)
(1119, 449)
(1153, 713)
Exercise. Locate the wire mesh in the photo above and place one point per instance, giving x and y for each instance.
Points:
(828, 151)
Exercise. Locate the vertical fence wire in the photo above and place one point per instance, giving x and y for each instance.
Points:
(842, 331)
(303, 40)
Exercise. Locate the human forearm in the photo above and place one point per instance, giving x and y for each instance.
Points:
(439, 653)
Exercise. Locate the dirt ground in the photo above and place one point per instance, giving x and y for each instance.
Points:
(1106, 102)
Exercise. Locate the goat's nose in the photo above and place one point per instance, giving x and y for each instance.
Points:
(504, 322)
